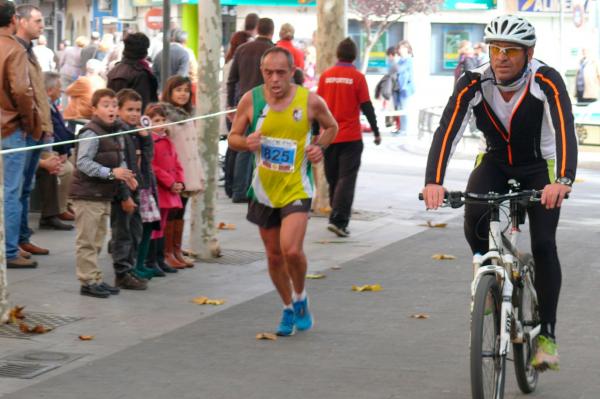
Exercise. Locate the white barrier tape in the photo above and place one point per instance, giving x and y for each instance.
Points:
(40, 146)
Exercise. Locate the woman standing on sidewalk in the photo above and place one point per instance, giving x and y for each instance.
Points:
(405, 83)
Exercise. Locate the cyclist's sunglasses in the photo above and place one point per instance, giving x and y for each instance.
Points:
(507, 51)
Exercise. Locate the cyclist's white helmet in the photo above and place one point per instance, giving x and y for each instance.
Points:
(510, 28)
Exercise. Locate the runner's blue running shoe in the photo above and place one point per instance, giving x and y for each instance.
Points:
(286, 326)
(304, 320)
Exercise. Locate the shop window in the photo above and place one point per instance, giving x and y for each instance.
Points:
(445, 41)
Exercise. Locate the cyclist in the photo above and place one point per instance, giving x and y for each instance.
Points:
(523, 109)
(277, 117)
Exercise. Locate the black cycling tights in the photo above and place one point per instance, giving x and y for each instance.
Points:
(492, 175)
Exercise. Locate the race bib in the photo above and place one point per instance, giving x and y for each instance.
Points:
(278, 154)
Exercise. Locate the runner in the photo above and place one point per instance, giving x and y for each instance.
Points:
(278, 116)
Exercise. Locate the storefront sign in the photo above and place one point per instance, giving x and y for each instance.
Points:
(450, 5)
(543, 5)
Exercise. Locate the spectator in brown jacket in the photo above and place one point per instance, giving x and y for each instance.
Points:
(21, 127)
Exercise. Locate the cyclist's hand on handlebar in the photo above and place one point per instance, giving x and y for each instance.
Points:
(433, 195)
(554, 194)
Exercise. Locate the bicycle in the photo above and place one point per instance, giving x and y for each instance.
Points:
(504, 305)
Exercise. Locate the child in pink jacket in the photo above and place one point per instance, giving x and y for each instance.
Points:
(169, 177)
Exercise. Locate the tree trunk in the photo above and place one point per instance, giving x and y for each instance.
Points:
(203, 237)
(4, 304)
(332, 24)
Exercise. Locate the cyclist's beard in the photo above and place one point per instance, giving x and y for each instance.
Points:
(517, 82)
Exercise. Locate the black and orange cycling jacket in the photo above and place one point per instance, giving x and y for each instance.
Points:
(540, 127)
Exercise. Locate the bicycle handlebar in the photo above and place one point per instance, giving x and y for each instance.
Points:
(456, 199)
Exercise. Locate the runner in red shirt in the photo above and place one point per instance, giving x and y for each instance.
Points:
(345, 91)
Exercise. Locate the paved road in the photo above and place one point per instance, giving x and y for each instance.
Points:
(365, 345)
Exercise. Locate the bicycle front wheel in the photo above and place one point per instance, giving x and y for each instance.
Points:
(527, 375)
(487, 366)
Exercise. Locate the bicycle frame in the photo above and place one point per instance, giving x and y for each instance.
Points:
(503, 262)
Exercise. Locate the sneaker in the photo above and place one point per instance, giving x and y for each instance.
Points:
(286, 326)
(546, 356)
(94, 290)
(21, 263)
(127, 281)
(111, 290)
(304, 319)
(339, 231)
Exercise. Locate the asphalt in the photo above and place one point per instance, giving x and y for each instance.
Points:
(157, 344)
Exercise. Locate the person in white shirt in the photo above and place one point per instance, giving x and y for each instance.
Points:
(44, 55)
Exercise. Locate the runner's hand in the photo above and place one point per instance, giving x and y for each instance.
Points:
(433, 195)
(253, 141)
(554, 194)
(314, 153)
(377, 140)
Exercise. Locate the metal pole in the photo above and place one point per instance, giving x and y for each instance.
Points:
(4, 304)
(561, 16)
(165, 64)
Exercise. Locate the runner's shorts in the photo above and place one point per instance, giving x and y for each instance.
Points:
(267, 217)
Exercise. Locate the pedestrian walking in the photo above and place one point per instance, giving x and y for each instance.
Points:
(278, 116)
(406, 84)
(587, 80)
(346, 93)
(89, 52)
(70, 62)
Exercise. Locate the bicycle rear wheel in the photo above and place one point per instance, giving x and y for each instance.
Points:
(527, 376)
(487, 366)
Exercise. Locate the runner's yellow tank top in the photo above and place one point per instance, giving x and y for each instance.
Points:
(282, 172)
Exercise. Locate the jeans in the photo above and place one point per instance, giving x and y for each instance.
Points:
(19, 172)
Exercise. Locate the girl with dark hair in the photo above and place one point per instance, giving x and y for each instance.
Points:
(178, 106)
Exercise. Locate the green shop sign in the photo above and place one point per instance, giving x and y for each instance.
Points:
(469, 4)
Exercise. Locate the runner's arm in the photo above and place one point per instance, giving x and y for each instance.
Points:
(318, 112)
(237, 134)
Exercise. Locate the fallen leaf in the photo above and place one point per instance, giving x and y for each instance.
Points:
(16, 314)
(203, 300)
(315, 276)
(422, 316)
(86, 337)
(336, 267)
(434, 225)
(579, 180)
(24, 328)
(367, 287)
(40, 329)
(325, 210)
(267, 336)
(226, 226)
(443, 257)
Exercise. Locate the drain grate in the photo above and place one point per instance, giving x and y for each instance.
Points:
(236, 257)
(24, 370)
(357, 214)
(33, 318)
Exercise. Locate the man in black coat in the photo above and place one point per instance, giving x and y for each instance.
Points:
(134, 72)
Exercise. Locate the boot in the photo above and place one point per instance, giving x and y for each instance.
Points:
(177, 238)
(170, 258)
(160, 256)
(151, 264)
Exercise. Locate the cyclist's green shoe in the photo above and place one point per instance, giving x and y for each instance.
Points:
(546, 356)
